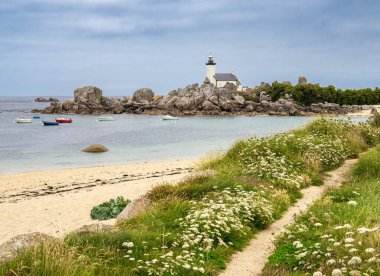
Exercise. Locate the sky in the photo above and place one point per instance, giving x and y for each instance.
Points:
(51, 47)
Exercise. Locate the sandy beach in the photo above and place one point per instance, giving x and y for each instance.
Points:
(56, 202)
(364, 113)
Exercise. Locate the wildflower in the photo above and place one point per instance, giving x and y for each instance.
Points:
(347, 226)
(372, 260)
(369, 250)
(318, 224)
(128, 244)
(355, 261)
(187, 266)
(336, 243)
(336, 272)
(201, 270)
(317, 273)
(349, 240)
(331, 262)
(131, 259)
(352, 203)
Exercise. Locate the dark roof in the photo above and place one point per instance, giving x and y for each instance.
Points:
(225, 77)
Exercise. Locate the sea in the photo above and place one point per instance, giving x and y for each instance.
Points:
(130, 138)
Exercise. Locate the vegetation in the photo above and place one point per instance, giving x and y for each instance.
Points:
(194, 227)
(340, 234)
(307, 94)
(109, 209)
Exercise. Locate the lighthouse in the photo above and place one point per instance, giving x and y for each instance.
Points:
(210, 65)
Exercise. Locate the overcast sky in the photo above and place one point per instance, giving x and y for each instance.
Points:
(51, 47)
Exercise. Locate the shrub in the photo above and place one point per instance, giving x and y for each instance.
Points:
(109, 209)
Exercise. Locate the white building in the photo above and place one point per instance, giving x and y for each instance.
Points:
(220, 79)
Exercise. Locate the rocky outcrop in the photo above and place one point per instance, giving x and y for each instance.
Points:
(195, 99)
(44, 100)
(96, 148)
(302, 80)
(135, 208)
(142, 95)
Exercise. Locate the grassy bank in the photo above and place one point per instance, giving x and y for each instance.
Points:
(195, 226)
(340, 233)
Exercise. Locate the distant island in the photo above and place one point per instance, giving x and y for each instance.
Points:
(283, 99)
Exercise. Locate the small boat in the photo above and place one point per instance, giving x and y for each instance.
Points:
(23, 120)
(168, 117)
(36, 117)
(64, 120)
(47, 123)
(100, 119)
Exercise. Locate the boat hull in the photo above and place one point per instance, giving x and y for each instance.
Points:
(45, 123)
(105, 119)
(64, 121)
(23, 121)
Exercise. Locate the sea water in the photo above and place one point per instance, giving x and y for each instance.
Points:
(130, 139)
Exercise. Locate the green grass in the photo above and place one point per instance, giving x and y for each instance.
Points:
(332, 211)
(155, 232)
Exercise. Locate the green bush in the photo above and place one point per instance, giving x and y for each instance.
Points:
(307, 94)
(109, 209)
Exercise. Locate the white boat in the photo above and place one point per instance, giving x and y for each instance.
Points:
(106, 119)
(23, 120)
(168, 117)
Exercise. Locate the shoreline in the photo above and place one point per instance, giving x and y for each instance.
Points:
(56, 202)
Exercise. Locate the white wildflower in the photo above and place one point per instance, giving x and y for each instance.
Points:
(369, 250)
(352, 203)
(336, 272)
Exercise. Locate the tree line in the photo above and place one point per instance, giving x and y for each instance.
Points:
(307, 94)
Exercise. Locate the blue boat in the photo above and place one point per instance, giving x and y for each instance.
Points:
(46, 123)
(36, 117)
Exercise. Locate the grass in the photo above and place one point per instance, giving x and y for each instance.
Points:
(195, 226)
(343, 225)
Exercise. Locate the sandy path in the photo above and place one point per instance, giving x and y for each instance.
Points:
(253, 258)
(57, 202)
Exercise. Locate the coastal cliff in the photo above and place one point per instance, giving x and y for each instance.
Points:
(195, 99)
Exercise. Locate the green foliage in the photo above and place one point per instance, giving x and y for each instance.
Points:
(307, 94)
(339, 232)
(109, 209)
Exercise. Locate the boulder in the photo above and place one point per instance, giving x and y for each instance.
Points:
(53, 100)
(209, 106)
(15, 245)
(88, 94)
(143, 94)
(41, 100)
(238, 99)
(135, 208)
(95, 228)
(96, 148)
(302, 80)
(374, 111)
(264, 97)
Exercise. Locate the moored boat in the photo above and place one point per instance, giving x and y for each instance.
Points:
(23, 120)
(36, 117)
(106, 119)
(48, 123)
(64, 120)
(168, 117)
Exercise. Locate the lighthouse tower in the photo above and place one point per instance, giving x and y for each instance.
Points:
(210, 65)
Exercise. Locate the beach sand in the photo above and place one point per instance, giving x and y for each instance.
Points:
(364, 113)
(59, 201)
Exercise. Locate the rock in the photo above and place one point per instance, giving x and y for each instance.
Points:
(158, 97)
(230, 87)
(15, 245)
(209, 106)
(239, 99)
(41, 100)
(135, 208)
(264, 97)
(199, 174)
(206, 81)
(44, 100)
(143, 94)
(95, 227)
(302, 80)
(374, 111)
(96, 148)
(365, 107)
(263, 86)
(88, 94)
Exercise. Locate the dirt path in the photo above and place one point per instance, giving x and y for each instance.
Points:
(252, 260)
